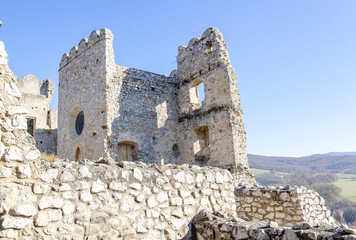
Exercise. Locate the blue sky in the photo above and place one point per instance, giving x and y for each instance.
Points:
(295, 60)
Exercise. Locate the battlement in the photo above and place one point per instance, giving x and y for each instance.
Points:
(202, 55)
(85, 44)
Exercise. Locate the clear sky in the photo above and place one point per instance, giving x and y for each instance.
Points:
(295, 60)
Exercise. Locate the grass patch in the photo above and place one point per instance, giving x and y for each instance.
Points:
(257, 172)
(49, 157)
(347, 183)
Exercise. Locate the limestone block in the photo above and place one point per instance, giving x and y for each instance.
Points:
(176, 201)
(98, 186)
(177, 224)
(26, 210)
(84, 172)
(117, 186)
(66, 176)
(13, 154)
(162, 197)
(219, 177)
(9, 233)
(199, 178)
(82, 185)
(151, 202)
(8, 139)
(33, 155)
(136, 186)
(64, 187)
(140, 198)
(189, 178)
(180, 177)
(44, 218)
(137, 174)
(9, 222)
(86, 196)
(50, 202)
(40, 188)
(16, 110)
(24, 171)
(5, 172)
(184, 193)
(68, 208)
(49, 175)
(177, 213)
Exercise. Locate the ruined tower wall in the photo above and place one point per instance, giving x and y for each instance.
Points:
(83, 77)
(36, 97)
(142, 108)
(205, 60)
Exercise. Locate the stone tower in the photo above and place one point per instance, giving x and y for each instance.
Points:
(212, 132)
(82, 103)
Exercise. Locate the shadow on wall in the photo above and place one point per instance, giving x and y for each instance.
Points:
(146, 117)
(46, 140)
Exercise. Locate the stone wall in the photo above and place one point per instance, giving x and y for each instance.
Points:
(36, 97)
(286, 206)
(16, 143)
(90, 200)
(205, 61)
(142, 108)
(216, 226)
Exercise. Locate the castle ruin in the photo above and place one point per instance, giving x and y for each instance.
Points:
(41, 120)
(98, 199)
(128, 114)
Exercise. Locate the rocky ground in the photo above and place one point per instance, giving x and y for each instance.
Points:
(207, 225)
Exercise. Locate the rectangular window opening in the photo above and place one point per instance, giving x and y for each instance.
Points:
(196, 92)
(31, 125)
(201, 145)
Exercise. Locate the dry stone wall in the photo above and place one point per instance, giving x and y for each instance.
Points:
(286, 206)
(87, 200)
(16, 143)
(216, 226)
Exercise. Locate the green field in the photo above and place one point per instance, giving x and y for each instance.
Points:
(347, 183)
(259, 171)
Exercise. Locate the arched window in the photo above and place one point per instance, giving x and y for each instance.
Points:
(78, 154)
(128, 151)
(79, 123)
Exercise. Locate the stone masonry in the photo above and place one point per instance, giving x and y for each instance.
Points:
(215, 226)
(132, 115)
(286, 206)
(98, 199)
(41, 120)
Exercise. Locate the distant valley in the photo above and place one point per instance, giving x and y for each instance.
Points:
(343, 162)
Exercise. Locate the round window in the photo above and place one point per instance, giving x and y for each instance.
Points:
(79, 123)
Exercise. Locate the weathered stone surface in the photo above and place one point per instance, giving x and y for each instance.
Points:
(46, 217)
(206, 225)
(13, 154)
(286, 206)
(5, 172)
(50, 202)
(27, 210)
(98, 186)
(24, 171)
(14, 222)
(33, 155)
